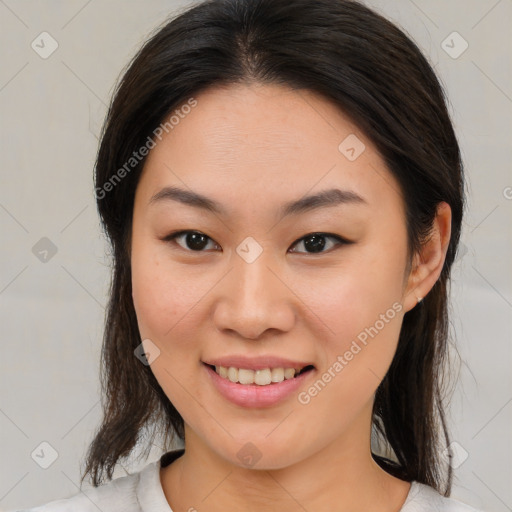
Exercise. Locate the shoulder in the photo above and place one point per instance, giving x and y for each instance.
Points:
(119, 495)
(423, 498)
(137, 492)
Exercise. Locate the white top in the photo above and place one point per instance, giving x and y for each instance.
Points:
(142, 492)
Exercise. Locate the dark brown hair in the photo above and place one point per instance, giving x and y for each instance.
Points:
(377, 76)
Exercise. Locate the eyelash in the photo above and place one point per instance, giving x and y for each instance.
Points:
(341, 241)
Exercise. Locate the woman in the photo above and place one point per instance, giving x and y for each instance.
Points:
(283, 191)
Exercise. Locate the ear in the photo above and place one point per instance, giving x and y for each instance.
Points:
(428, 263)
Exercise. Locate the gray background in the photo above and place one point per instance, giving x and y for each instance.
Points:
(52, 311)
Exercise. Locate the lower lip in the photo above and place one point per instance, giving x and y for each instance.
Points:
(253, 395)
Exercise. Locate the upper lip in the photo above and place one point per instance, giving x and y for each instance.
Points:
(256, 363)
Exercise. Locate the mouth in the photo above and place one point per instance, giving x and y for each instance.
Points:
(262, 382)
(259, 377)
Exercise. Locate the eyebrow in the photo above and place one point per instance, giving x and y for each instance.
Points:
(325, 199)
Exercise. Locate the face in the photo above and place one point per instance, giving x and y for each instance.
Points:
(267, 275)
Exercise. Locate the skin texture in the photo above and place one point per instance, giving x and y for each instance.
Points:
(253, 148)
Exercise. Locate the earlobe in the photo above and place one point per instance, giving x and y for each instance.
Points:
(429, 261)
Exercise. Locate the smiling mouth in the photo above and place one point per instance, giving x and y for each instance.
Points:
(263, 377)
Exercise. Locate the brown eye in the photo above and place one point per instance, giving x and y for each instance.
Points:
(315, 243)
(190, 240)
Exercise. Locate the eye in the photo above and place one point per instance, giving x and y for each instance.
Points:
(190, 240)
(316, 242)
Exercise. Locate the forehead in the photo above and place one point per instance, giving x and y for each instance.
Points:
(266, 142)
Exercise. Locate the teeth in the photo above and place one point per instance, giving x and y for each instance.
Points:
(289, 373)
(244, 376)
(233, 374)
(262, 377)
(277, 375)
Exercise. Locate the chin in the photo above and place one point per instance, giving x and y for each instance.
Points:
(260, 454)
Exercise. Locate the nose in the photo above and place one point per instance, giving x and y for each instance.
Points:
(253, 300)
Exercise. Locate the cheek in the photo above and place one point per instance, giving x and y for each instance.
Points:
(359, 310)
(363, 314)
(163, 297)
(352, 297)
